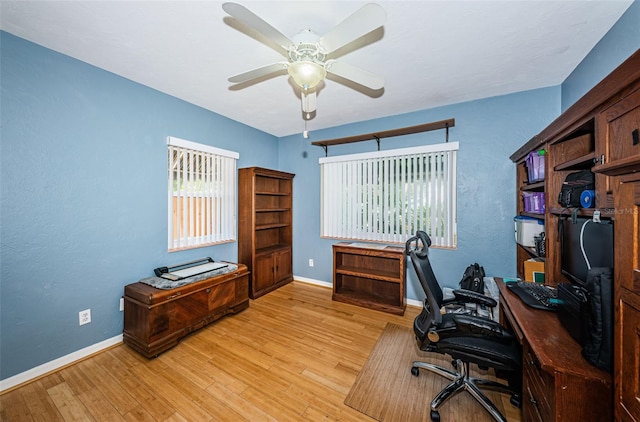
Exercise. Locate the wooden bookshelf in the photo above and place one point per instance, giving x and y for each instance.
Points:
(370, 276)
(265, 227)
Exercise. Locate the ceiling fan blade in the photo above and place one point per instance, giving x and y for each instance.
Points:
(355, 74)
(308, 101)
(256, 73)
(255, 22)
(361, 22)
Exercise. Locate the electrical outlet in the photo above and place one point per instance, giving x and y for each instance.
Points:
(311, 262)
(121, 304)
(84, 316)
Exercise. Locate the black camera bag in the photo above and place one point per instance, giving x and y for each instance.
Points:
(473, 278)
(573, 186)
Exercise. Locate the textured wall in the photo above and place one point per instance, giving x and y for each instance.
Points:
(619, 43)
(488, 130)
(83, 190)
(82, 186)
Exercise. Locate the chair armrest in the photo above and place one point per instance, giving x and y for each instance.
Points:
(469, 296)
(481, 327)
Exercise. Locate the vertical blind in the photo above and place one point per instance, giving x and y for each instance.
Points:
(387, 195)
(202, 194)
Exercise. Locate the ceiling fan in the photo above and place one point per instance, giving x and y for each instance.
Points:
(309, 55)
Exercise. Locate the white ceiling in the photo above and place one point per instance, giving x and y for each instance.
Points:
(430, 53)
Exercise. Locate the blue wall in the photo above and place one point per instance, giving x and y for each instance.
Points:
(82, 192)
(489, 131)
(84, 208)
(622, 40)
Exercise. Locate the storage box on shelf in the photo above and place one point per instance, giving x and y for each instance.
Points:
(535, 165)
(526, 229)
(534, 202)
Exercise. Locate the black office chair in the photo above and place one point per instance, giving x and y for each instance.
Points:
(465, 338)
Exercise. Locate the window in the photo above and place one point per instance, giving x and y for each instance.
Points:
(387, 195)
(202, 194)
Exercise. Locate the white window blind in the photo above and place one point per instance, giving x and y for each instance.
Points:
(202, 194)
(387, 195)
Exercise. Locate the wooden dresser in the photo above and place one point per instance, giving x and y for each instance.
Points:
(155, 320)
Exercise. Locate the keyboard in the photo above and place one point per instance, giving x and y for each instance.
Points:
(535, 295)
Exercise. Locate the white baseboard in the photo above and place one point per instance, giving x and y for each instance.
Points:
(413, 302)
(56, 364)
(313, 281)
(63, 361)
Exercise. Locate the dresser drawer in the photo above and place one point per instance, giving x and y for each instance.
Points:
(538, 388)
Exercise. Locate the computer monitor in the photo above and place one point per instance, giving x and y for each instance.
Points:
(582, 239)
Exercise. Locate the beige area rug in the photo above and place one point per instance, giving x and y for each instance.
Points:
(386, 391)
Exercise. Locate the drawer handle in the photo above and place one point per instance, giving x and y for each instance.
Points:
(174, 295)
(532, 400)
(635, 137)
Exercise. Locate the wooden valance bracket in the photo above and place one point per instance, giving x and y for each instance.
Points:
(442, 124)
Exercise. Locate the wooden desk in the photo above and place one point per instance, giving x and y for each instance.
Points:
(558, 383)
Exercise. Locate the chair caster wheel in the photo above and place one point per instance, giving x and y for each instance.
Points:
(415, 371)
(435, 416)
(516, 400)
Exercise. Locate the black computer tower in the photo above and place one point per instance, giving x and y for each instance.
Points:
(573, 311)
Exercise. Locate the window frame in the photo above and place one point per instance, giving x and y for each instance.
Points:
(363, 202)
(208, 177)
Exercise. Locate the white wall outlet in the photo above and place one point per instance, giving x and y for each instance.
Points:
(311, 262)
(84, 316)
(121, 304)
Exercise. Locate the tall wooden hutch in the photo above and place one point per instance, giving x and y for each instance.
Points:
(599, 132)
(265, 227)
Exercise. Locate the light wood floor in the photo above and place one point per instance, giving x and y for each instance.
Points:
(293, 355)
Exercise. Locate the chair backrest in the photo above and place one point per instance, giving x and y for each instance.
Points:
(418, 249)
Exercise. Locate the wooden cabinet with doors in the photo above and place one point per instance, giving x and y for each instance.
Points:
(627, 299)
(619, 136)
(272, 267)
(265, 227)
(619, 127)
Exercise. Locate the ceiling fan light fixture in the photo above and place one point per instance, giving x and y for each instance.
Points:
(307, 74)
